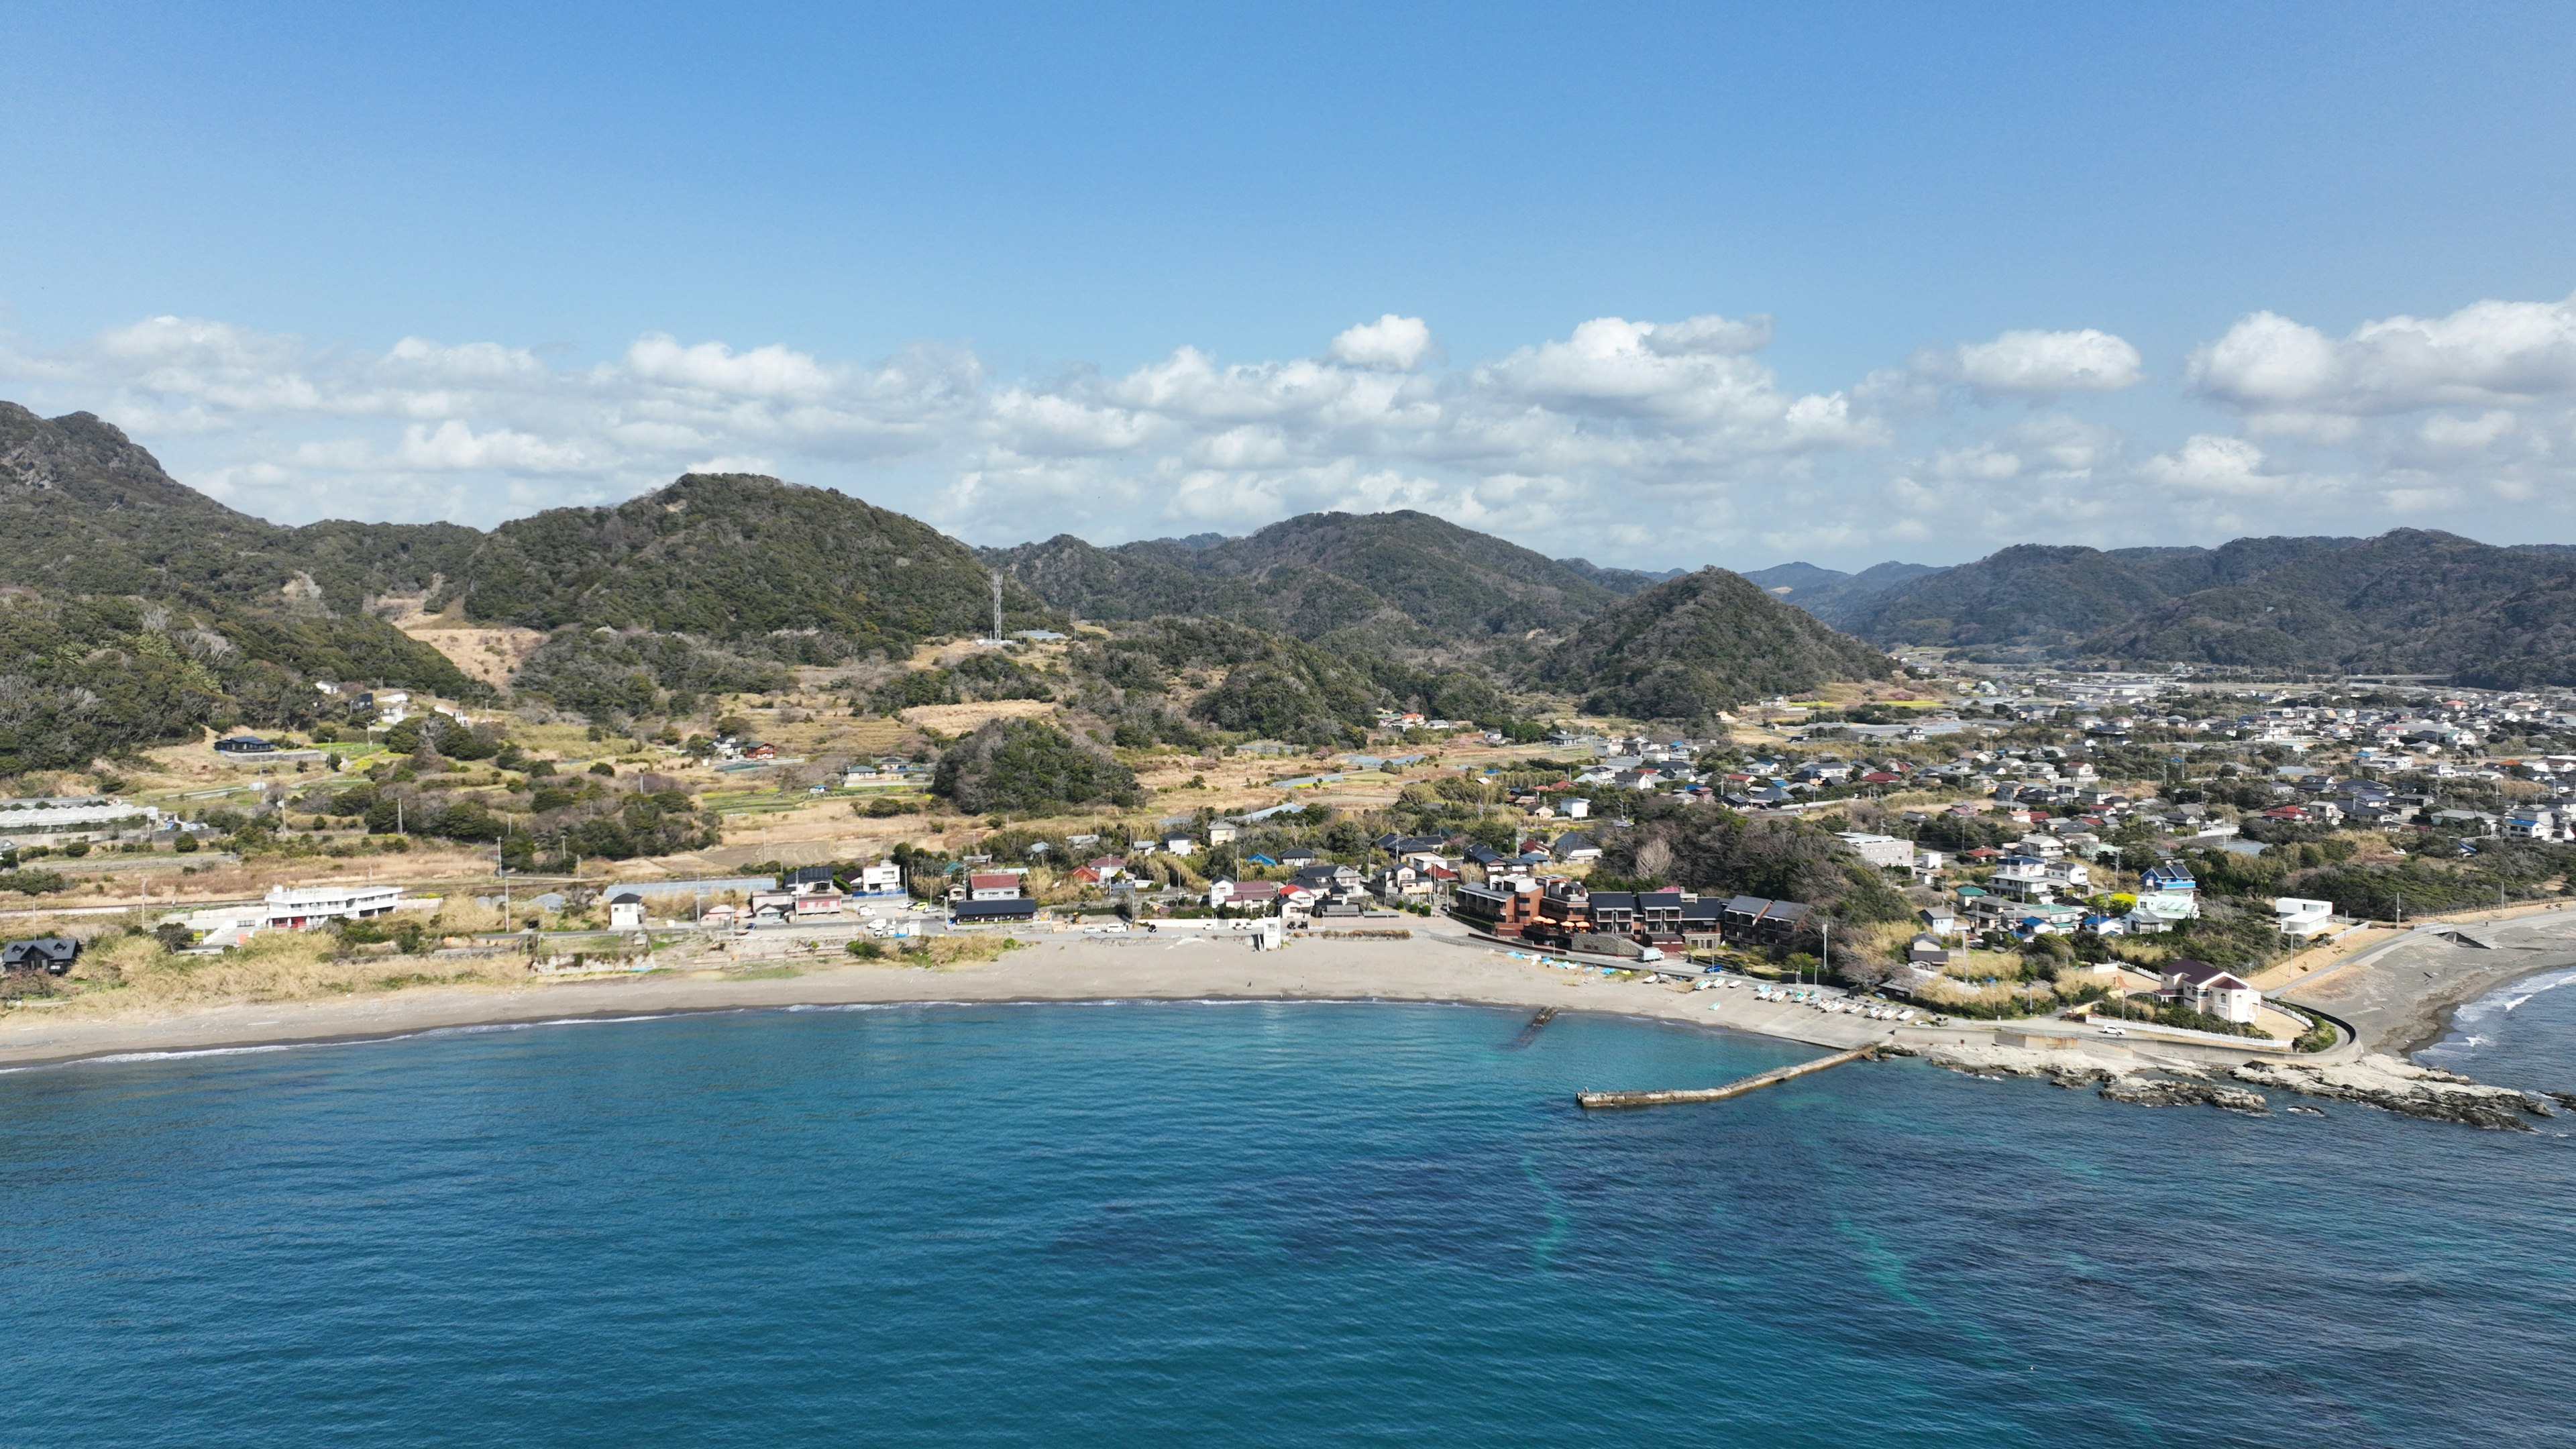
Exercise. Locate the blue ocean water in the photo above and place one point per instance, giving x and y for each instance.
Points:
(1245, 1224)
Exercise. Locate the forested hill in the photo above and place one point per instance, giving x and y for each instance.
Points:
(1692, 646)
(140, 611)
(2407, 601)
(1321, 573)
(736, 556)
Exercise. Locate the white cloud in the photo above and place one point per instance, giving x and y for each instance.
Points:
(1629, 441)
(2045, 364)
(1390, 341)
(2483, 354)
(2209, 465)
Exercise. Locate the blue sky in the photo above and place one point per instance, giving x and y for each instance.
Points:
(949, 258)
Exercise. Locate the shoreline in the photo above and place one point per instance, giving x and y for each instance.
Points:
(2402, 994)
(1429, 972)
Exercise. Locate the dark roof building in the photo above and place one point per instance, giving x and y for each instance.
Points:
(54, 954)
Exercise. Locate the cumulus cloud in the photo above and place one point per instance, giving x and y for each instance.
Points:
(2045, 364)
(1390, 341)
(1655, 442)
(2483, 354)
(482, 429)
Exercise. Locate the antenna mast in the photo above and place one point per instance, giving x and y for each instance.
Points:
(997, 606)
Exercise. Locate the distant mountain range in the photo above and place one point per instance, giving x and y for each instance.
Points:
(135, 609)
(1827, 593)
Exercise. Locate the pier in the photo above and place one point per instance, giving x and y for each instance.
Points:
(1545, 1015)
(1736, 1088)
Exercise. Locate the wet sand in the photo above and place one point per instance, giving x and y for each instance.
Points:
(1080, 969)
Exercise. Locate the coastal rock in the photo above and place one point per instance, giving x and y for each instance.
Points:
(2148, 1091)
(2064, 1068)
(2394, 1084)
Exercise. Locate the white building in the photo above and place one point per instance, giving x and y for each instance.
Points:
(2207, 988)
(295, 910)
(885, 878)
(309, 906)
(626, 911)
(2299, 917)
(1880, 850)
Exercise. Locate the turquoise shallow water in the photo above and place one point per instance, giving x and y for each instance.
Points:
(1275, 1225)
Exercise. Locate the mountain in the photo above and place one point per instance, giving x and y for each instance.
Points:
(1830, 594)
(2407, 601)
(736, 557)
(1318, 574)
(138, 610)
(1692, 646)
(1619, 581)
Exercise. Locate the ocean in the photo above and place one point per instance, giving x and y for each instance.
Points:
(1138, 1224)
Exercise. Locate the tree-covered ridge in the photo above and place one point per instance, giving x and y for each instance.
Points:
(2407, 601)
(1030, 767)
(83, 510)
(1691, 647)
(734, 556)
(1319, 573)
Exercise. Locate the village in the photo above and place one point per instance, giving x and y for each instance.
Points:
(2044, 844)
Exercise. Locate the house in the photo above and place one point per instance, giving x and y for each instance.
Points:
(1400, 883)
(1102, 870)
(2531, 825)
(760, 751)
(1329, 877)
(626, 911)
(1221, 833)
(1928, 952)
(1298, 857)
(1939, 920)
(244, 745)
(1751, 920)
(2299, 917)
(53, 955)
(993, 887)
(2210, 989)
(1574, 847)
(814, 891)
(2023, 877)
(885, 878)
(992, 912)
(1885, 851)
(1702, 926)
(1659, 917)
(1243, 895)
(1501, 908)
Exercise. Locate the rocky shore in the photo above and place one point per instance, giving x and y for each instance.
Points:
(2391, 1084)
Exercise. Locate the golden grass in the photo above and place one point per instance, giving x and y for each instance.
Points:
(134, 975)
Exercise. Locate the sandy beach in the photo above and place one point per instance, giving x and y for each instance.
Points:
(2400, 993)
(1078, 969)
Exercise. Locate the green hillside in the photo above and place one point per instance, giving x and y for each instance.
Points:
(1705, 642)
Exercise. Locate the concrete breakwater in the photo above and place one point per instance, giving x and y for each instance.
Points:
(1736, 1088)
